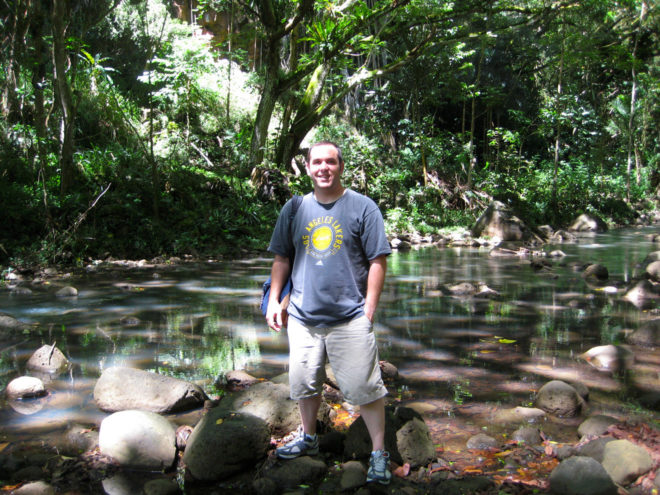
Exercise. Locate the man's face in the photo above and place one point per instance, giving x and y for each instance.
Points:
(324, 167)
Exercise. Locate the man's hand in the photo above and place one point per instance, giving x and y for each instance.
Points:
(375, 282)
(274, 315)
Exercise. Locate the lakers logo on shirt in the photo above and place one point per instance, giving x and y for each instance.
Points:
(324, 237)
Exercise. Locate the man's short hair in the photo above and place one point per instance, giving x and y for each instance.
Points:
(340, 156)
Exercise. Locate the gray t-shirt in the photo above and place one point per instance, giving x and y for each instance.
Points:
(333, 245)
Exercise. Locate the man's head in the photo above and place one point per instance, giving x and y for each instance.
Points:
(325, 165)
(326, 143)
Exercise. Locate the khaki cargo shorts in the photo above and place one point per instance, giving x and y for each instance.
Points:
(353, 355)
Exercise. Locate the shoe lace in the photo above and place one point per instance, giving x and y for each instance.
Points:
(379, 460)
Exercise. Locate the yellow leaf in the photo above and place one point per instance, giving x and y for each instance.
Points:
(219, 421)
(506, 341)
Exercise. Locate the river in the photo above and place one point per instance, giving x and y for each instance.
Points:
(459, 357)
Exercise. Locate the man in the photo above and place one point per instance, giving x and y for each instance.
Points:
(338, 238)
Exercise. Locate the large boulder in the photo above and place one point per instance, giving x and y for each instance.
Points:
(121, 388)
(588, 223)
(404, 441)
(580, 475)
(498, 221)
(625, 462)
(138, 440)
(224, 443)
(270, 402)
(560, 399)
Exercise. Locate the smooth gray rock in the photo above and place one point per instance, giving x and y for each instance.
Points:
(224, 443)
(560, 399)
(138, 440)
(67, 291)
(298, 471)
(581, 476)
(528, 435)
(8, 322)
(595, 448)
(25, 387)
(271, 402)
(648, 334)
(48, 359)
(596, 425)
(625, 462)
(414, 443)
(353, 475)
(481, 441)
(120, 389)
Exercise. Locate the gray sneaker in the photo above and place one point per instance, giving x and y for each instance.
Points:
(379, 467)
(302, 444)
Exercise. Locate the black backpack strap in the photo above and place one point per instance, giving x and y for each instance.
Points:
(295, 204)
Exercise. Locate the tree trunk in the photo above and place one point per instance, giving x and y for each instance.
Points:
(64, 95)
(40, 114)
(473, 117)
(307, 115)
(557, 129)
(269, 96)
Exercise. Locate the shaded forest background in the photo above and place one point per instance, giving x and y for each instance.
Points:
(143, 128)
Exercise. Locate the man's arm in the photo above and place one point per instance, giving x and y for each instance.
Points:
(375, 282)
(278, 275)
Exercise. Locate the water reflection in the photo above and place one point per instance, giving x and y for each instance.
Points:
(457, 354)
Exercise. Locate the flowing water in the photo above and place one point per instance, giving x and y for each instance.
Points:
(460, 358)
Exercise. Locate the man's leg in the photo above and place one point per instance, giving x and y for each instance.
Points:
(309, 410)
(305, 442)
(373, 415)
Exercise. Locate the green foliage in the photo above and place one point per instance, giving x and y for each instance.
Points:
(162, 118)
